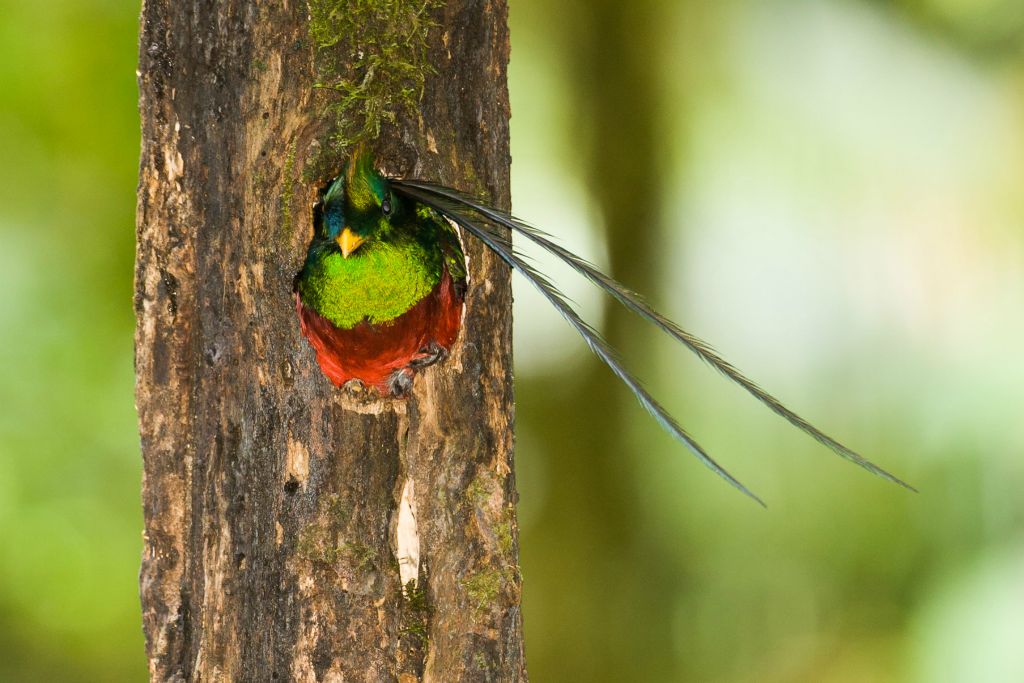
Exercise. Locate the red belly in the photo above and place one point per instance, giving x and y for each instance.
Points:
(370, 353)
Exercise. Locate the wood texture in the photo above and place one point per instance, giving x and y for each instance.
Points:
(271, 499)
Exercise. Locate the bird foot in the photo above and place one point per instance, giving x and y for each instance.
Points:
(354, 387)
(432, 353)
(399, 382)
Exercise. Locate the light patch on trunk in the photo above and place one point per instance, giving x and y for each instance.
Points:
(369, 403)
(298, 461)
(407, 536)
(174, 164)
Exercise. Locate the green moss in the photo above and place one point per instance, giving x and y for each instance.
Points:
(483, 588)
(336, 508)
(359, 555)
(415, 612)
(416, 629)
(504, 530)
(317, 544)
(415, 596)
(478, 491)
(371, 56)
(482, 663)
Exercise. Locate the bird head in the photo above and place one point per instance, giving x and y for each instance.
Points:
(359, 206)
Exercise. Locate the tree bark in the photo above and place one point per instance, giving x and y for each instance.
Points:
(276, 506)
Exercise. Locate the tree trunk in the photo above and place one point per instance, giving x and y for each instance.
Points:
(282, 515)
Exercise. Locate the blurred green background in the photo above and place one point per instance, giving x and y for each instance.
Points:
(830, 191)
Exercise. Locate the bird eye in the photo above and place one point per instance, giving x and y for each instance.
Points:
(385, 206)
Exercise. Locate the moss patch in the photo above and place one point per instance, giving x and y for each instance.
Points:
(483, 588)
(359, 555)
(336, 508)
(371, 57)
(320, 542)
(415, 612)
(317, 544)
(478, 491)
(504, 530)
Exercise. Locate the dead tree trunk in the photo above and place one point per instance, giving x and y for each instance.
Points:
(277, 508)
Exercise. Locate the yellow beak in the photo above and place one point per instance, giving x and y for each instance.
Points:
(349, 242)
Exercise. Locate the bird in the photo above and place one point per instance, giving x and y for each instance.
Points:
(381, 294)
(382, 289)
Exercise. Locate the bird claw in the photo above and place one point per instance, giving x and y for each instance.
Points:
(354, 387)
(430, 354)
(400, 382)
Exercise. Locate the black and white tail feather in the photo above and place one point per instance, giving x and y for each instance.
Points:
(464, 210)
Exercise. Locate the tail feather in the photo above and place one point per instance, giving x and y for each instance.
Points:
(452, 203)
(635, 302)
(503, 249)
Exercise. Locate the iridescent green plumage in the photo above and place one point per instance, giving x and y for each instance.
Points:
(385, 282)
(400, 259)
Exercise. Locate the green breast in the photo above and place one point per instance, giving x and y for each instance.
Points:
(377, 284)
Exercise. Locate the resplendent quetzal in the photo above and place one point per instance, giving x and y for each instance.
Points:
(381, 293)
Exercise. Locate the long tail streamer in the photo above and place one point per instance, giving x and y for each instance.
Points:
(453, 204)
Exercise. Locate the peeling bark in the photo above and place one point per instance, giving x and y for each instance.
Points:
(272, 501)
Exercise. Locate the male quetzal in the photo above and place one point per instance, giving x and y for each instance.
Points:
(381, 292)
